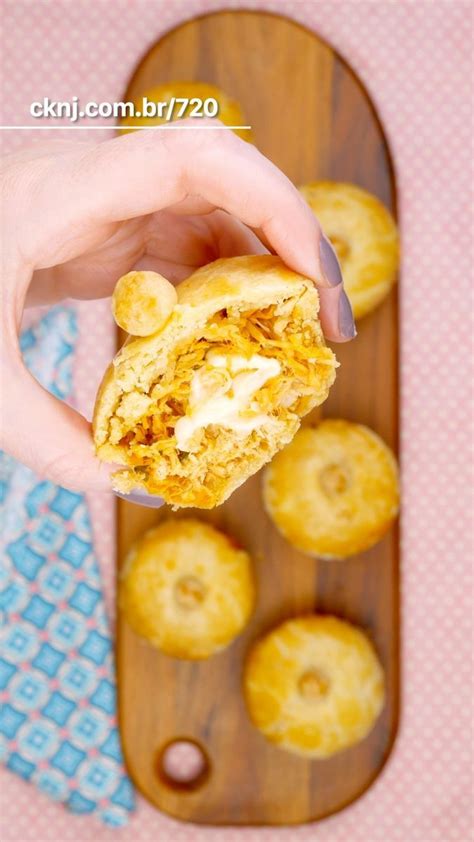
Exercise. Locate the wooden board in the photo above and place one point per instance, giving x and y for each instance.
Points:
(313, 118)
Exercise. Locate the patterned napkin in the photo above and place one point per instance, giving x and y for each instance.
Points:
(58, 724)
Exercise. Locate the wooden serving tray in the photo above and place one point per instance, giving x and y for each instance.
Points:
(312, 116)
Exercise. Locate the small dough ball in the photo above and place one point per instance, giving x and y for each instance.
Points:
(187, 589)
(333, 491)
(314, 686)
(365, 238)
(142, 302)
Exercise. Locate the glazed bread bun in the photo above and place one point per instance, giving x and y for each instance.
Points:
(314, 686)
(187, 589)
(333, 491)
(230, 112)
(197, 407)
(364, 236)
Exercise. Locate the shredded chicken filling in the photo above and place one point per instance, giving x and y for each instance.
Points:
(285, 366)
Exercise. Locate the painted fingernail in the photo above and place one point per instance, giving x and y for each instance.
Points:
(142, 499)
(329, 262)
(346, 319)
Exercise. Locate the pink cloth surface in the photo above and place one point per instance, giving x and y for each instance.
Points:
(415, 58)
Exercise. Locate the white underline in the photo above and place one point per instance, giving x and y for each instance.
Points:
(119, 128)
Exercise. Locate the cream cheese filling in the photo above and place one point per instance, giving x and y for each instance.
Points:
(222, 392)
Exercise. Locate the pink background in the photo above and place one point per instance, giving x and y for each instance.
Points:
(415, 59)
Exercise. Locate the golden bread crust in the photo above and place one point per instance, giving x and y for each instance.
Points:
(333, 491)
(187, 589)
(142, 302)
(314, 686)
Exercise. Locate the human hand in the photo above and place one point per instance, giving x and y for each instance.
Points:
(77, 216)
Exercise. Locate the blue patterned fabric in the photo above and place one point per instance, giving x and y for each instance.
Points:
(58, 724)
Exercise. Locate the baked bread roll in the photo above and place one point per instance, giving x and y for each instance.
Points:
(314, 686)
(193, 410)
(333, 491)
(230, 112)
(142, 302)
(365, 238)
(187, 589)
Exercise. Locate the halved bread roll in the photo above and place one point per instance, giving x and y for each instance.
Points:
(193, 410)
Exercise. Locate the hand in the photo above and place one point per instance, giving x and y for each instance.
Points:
(78, 216)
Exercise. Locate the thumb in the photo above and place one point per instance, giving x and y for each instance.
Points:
(35, 427)
(47, 435)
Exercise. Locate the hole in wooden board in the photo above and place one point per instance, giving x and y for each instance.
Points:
(183, 765)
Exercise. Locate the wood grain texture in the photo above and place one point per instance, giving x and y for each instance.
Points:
(313, 118)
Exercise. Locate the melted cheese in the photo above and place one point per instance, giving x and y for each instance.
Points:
(222, 393)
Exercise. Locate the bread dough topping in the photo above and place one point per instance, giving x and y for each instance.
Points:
(222, 392)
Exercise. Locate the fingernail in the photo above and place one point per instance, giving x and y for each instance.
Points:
(329, 262)
(142, 499)
(346, 319)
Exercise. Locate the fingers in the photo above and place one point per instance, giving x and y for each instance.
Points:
(178, 246)
(235, 176)
(48, 436)
(176, 251)
(92, 274)
(232, 175)
(146, 171)
(335, 314)
(165, 242)
(141, 173)
(231, 237)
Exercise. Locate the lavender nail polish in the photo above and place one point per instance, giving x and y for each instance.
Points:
(329, 262)
(346, 319)
(141, 498)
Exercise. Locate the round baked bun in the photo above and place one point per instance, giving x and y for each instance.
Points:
(142, 302)
(314, 686)
(187, 589)
(333, 491)
(365, 238)
(193, 410)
